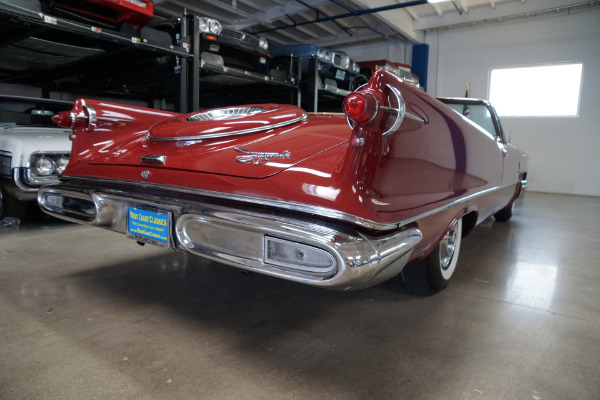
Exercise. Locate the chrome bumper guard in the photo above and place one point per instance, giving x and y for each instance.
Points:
(524, 187)
(24, 186)
(240, 237)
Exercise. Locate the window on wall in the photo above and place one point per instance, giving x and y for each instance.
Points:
(537, 91)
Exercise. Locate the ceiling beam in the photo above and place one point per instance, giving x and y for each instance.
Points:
(275, 13)
(342, 41)
(437, 9)
(291, 36)
(308, 32)
(360, 12)
(502, 10)
(322, 25)
(398, 19)
(412, 14)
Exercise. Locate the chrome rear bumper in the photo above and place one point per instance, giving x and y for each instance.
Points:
(239, 236)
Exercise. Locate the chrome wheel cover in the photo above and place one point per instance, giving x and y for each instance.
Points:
(447, 247)
(448, 250)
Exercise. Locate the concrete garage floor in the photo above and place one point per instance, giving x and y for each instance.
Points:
(88, 314)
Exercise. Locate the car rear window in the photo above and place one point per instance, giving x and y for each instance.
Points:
(29, 113)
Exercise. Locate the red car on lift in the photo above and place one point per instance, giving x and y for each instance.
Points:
(334, 200)
(111, 13)
(403, 71)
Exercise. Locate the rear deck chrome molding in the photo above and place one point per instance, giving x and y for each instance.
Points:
(226, 113)
(293, 206)
(201, 136)
(284, 205)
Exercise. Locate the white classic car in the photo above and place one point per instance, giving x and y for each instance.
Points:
(33, 151)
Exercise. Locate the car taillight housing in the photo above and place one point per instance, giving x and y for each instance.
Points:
(377, 105)
(360, 106)
(64, 119)
(82, 117)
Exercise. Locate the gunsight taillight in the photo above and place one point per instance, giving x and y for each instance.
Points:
(82, 117)
(64, 119)
(360, 106)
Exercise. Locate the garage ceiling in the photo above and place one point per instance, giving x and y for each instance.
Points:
(316, 21)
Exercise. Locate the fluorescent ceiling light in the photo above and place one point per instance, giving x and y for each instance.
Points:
(436, 1)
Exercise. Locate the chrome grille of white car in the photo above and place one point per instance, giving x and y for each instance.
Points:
(241, 36)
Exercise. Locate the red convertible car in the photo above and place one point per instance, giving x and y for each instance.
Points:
(336, 200)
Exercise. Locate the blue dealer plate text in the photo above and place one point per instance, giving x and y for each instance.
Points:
(148, 226)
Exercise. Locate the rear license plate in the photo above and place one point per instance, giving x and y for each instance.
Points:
(340, 74)
(149, 225)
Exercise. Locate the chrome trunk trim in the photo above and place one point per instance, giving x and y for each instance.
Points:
(154, 159)
(201, 136)
(290, 205)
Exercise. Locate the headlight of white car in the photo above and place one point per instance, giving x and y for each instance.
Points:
(48, 164)
(61, 163)
(43, 166)
(346, 62)
(324, 55)
(264, 43)
(209, 25)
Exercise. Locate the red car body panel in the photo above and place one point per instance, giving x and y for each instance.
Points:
(435, 168)
(136, 13)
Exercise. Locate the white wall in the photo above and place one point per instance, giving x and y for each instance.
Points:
(565, 152)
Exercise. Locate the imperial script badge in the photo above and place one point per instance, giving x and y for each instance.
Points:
(257, 158)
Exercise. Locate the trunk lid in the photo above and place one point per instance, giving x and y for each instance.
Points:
(256, 142)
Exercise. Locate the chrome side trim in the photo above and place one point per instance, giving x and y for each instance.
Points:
(452, 204)
(295, 206)
(232, 133)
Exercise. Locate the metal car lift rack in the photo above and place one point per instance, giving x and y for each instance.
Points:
(29, 17)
